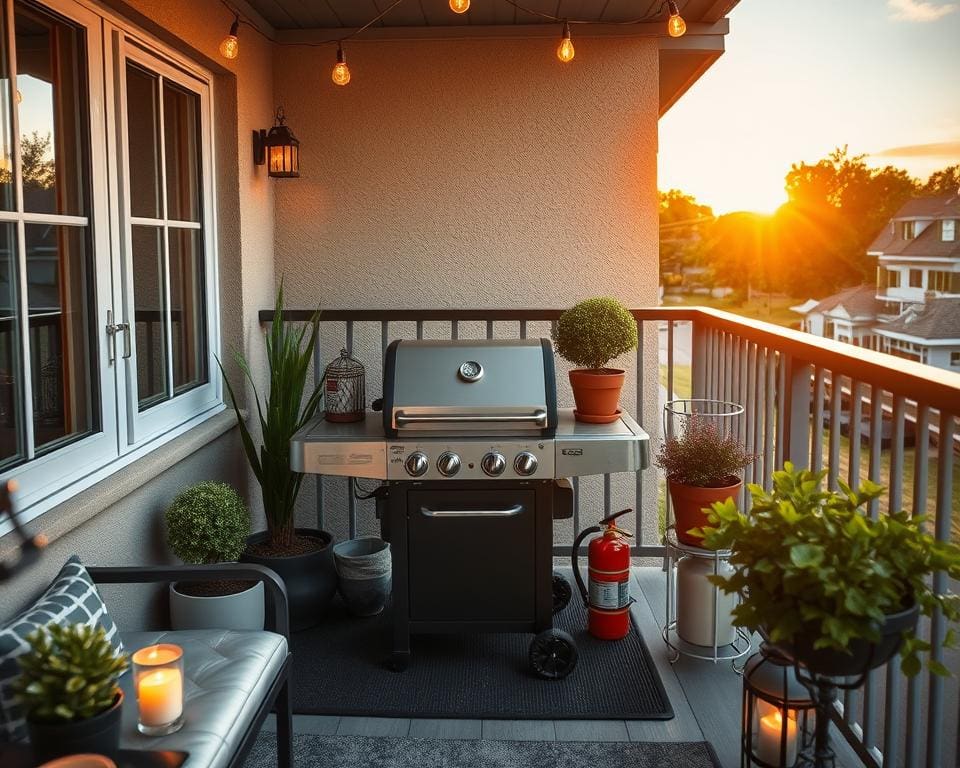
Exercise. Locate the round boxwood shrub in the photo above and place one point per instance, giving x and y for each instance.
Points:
(594, 332)
(207, 523)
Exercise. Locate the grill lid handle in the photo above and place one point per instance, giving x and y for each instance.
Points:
(538, 417)
(513, 511)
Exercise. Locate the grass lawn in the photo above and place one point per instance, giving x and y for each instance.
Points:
(681, 380)
(775, 309)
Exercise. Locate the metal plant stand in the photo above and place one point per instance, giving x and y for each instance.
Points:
(741, 645)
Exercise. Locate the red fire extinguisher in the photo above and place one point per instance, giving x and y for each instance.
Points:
(608, 597)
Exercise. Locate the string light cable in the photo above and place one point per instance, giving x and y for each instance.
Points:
(229, 48)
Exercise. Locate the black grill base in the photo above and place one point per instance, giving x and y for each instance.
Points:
(471, 573)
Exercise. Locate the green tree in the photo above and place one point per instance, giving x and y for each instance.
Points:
(943, 182)
(682, 220)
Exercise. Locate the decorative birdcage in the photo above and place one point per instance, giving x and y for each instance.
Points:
(345, 389)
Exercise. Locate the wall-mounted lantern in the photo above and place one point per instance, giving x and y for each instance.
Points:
(279, 148)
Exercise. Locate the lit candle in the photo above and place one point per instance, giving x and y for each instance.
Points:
(158, 672)
(771, 731)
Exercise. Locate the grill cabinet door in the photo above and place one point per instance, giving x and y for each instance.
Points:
(472, 555)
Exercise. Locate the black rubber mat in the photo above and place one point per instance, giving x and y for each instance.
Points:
(339, 668)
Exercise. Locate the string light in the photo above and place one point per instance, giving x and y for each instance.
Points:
(676, 26)
(565, 50)
(459, 6)
(341, 72)
(230, 46)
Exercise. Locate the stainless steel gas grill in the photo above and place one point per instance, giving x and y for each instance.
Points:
(474, 452)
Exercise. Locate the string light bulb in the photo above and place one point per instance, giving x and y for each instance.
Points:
(341, 72)
(230, 46)
(565, 50)
(676, 26)
(459, 6)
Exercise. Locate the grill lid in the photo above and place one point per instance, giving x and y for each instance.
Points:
(475, 387)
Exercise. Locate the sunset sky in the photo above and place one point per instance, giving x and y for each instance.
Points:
(800, 78)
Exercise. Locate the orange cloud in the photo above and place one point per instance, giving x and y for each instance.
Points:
(918, 10)
(949, 149)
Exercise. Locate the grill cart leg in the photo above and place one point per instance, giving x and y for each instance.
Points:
(394, 520)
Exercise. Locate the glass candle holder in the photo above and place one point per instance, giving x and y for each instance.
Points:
(158, 680)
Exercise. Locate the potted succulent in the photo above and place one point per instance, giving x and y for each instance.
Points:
(703, 464)
(302, 557)
(590, 335)
(68, 689)
(209, 523)
(828, 585)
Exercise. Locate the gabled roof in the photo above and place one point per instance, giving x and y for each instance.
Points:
(937, 318)
(938, 207)
(928, 243)
(858, 301)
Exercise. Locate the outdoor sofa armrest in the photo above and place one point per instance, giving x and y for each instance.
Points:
(274, 589)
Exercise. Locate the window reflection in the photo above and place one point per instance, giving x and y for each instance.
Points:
(143, 131)
(51, 92)
(187, 309)
(149, 321)
(11, 446)
(181, 129)
(7, 199)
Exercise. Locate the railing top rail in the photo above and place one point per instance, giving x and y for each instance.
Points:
(924, 383)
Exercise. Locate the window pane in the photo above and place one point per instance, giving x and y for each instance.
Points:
(7, 199)
(52, 107)
(11, 445)
(62, 345)
(187, 309)
(143, 134)
(148, 290)
(181, 132)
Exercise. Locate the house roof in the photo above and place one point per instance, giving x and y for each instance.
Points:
(805, 307)
(937, 318)
(927, 243)
(858, 301)
(683, 60)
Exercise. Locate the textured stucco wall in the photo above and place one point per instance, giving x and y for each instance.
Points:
(479, 173)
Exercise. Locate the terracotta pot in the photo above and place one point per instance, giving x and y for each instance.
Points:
(597, 394)
(689, 502)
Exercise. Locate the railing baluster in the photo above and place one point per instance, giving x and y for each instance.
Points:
(728, 367)
(638, 481)
(938, 626)
(670, 392)
(914, 741)
(699, 343)
(769, 361)
(523, 329)
(349, 337)
(870, 703)
(816, 439)
(419, 329)
(317, 377)
(751, 405)
(489, 329)
(454, 329)
(836, 401)
(850, 698)
(384, 343)
(794, 421)
(607, 499)
(783, 412)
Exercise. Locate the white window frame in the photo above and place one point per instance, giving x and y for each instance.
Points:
(159, 418)
(952, 230)
(125, 435)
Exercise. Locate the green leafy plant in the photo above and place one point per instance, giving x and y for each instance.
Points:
(70, 673)
(703, 455)
(813, 562)
(594, 332)
(207, 523)
(284, 411)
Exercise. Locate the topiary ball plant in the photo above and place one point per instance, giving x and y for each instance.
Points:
(208, 523)
(70, 673)
(594, 332)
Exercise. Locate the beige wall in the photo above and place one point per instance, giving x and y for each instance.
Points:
(477, 173)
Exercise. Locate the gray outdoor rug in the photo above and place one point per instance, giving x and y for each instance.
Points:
(364, 752)
(338, 669)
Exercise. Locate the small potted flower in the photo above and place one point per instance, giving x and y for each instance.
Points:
(209, 523)
(590, 335)
(829, 586)
(703, 464)
(68, 690)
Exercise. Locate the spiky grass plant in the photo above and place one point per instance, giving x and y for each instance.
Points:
(281, 414)
(703, 455)
(594, 332)
(70, 673)
(207, 523)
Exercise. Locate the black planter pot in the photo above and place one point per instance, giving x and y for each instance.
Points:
(99, 734)
(862, 655)
(310, 578)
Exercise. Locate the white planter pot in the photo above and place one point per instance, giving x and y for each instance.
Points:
(695, 603)
(239, 611)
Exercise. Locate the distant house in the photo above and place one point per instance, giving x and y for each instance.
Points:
(849, 316)
(928, 332)
(918, 253)
(913, 311)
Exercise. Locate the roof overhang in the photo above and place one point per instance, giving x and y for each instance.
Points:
(920, 340)
(683, 60)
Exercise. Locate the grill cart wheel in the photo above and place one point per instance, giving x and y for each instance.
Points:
(553, 654)
(561, 592)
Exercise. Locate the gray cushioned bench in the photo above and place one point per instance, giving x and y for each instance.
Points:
(233, 679)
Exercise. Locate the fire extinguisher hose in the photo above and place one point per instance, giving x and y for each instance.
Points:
(576, 566)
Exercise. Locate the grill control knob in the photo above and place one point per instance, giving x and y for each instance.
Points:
(493, 464)
(448, 464)
(416, 464)
(525, 464)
